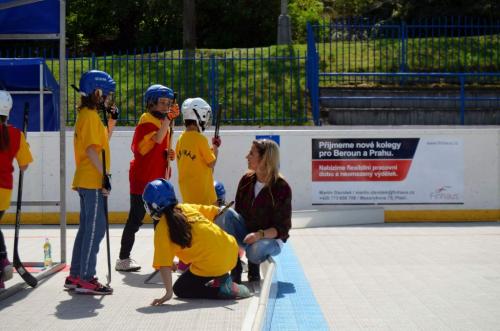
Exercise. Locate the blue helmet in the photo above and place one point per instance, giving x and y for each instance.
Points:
(96, 79)
(156, 91)
(220, 190)
(158, 195)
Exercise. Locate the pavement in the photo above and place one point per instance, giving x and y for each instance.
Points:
(426, 276)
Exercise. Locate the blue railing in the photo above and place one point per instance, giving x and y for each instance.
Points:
(252, 87)
(385, 54)
(462, 96)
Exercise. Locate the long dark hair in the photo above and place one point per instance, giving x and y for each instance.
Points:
(178, 227)
(91, 101)
(4, 134)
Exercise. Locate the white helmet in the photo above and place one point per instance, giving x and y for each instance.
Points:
(5, 103)
(198, 110)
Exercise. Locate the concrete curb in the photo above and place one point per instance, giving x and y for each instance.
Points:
(256, 313)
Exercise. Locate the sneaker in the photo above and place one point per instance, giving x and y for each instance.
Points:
(253, 272)
(230, 290)
(92, 287)
(6, 269)
(127, 265)
(71, 282)
(236, 272)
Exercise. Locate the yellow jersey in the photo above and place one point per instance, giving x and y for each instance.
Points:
(213, 252)
(89, 131)
(196, 181)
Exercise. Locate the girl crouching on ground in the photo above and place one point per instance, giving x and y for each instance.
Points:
(188, 231)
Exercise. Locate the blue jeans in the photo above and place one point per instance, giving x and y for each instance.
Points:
(90, 234)
(234, 224)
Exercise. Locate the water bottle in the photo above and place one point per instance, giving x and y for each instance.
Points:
(47, 254)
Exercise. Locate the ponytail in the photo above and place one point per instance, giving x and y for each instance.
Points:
(91, 101)
(4, 134)
(178, 227)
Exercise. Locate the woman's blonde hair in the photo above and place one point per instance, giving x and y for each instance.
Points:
(269, 153)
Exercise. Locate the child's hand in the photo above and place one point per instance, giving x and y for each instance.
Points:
(106, 184)
(173, 112)
(216, 141)
(113, 111)
(159, 301)
(171, 154)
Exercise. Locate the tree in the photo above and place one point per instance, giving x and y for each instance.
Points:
(189, 25)
(301, 12)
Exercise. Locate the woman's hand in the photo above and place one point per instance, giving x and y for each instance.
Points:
(163, 299)
(251, 238)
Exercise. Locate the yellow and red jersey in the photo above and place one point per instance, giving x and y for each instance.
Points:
(150, 160)
(18, 149)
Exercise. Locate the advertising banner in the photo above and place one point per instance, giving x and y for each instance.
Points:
(387, 171)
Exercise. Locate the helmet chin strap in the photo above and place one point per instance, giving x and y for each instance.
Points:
(200, 122)
(159, 115)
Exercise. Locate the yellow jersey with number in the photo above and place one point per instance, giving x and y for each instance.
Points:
(196, 181)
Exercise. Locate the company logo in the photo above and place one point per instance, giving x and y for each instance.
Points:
(443, 193)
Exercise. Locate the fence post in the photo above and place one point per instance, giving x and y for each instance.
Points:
(462, 99)
(403, 39)
(312, 81)
(93, 61)
(212, 85)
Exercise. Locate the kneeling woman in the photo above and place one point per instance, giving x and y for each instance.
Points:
(188, 231)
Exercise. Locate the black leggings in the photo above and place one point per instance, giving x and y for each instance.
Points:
(3, 249)
(134, 222)
(191, 286)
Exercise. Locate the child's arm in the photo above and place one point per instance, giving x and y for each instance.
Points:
(111, 126)
(162, 132)
(114, 113)
(215, 149)
(166, 275)
(165, 125)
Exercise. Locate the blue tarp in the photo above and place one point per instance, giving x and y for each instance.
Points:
(38, 17)
(22, 75)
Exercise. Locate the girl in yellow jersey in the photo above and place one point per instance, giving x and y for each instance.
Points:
(188, 231)
(12, 145)
(91, 181)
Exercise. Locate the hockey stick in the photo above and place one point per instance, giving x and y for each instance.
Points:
(223, 210)
(168, 171)
(217, 121)
(105, 203)
(28, 278)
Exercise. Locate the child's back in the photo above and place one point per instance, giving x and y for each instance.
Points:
(195, 158)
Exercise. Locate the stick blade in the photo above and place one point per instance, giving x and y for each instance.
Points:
(21, 270)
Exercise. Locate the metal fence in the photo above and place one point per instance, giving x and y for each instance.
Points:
(319, 75)
(251, 87)
(456, 44)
